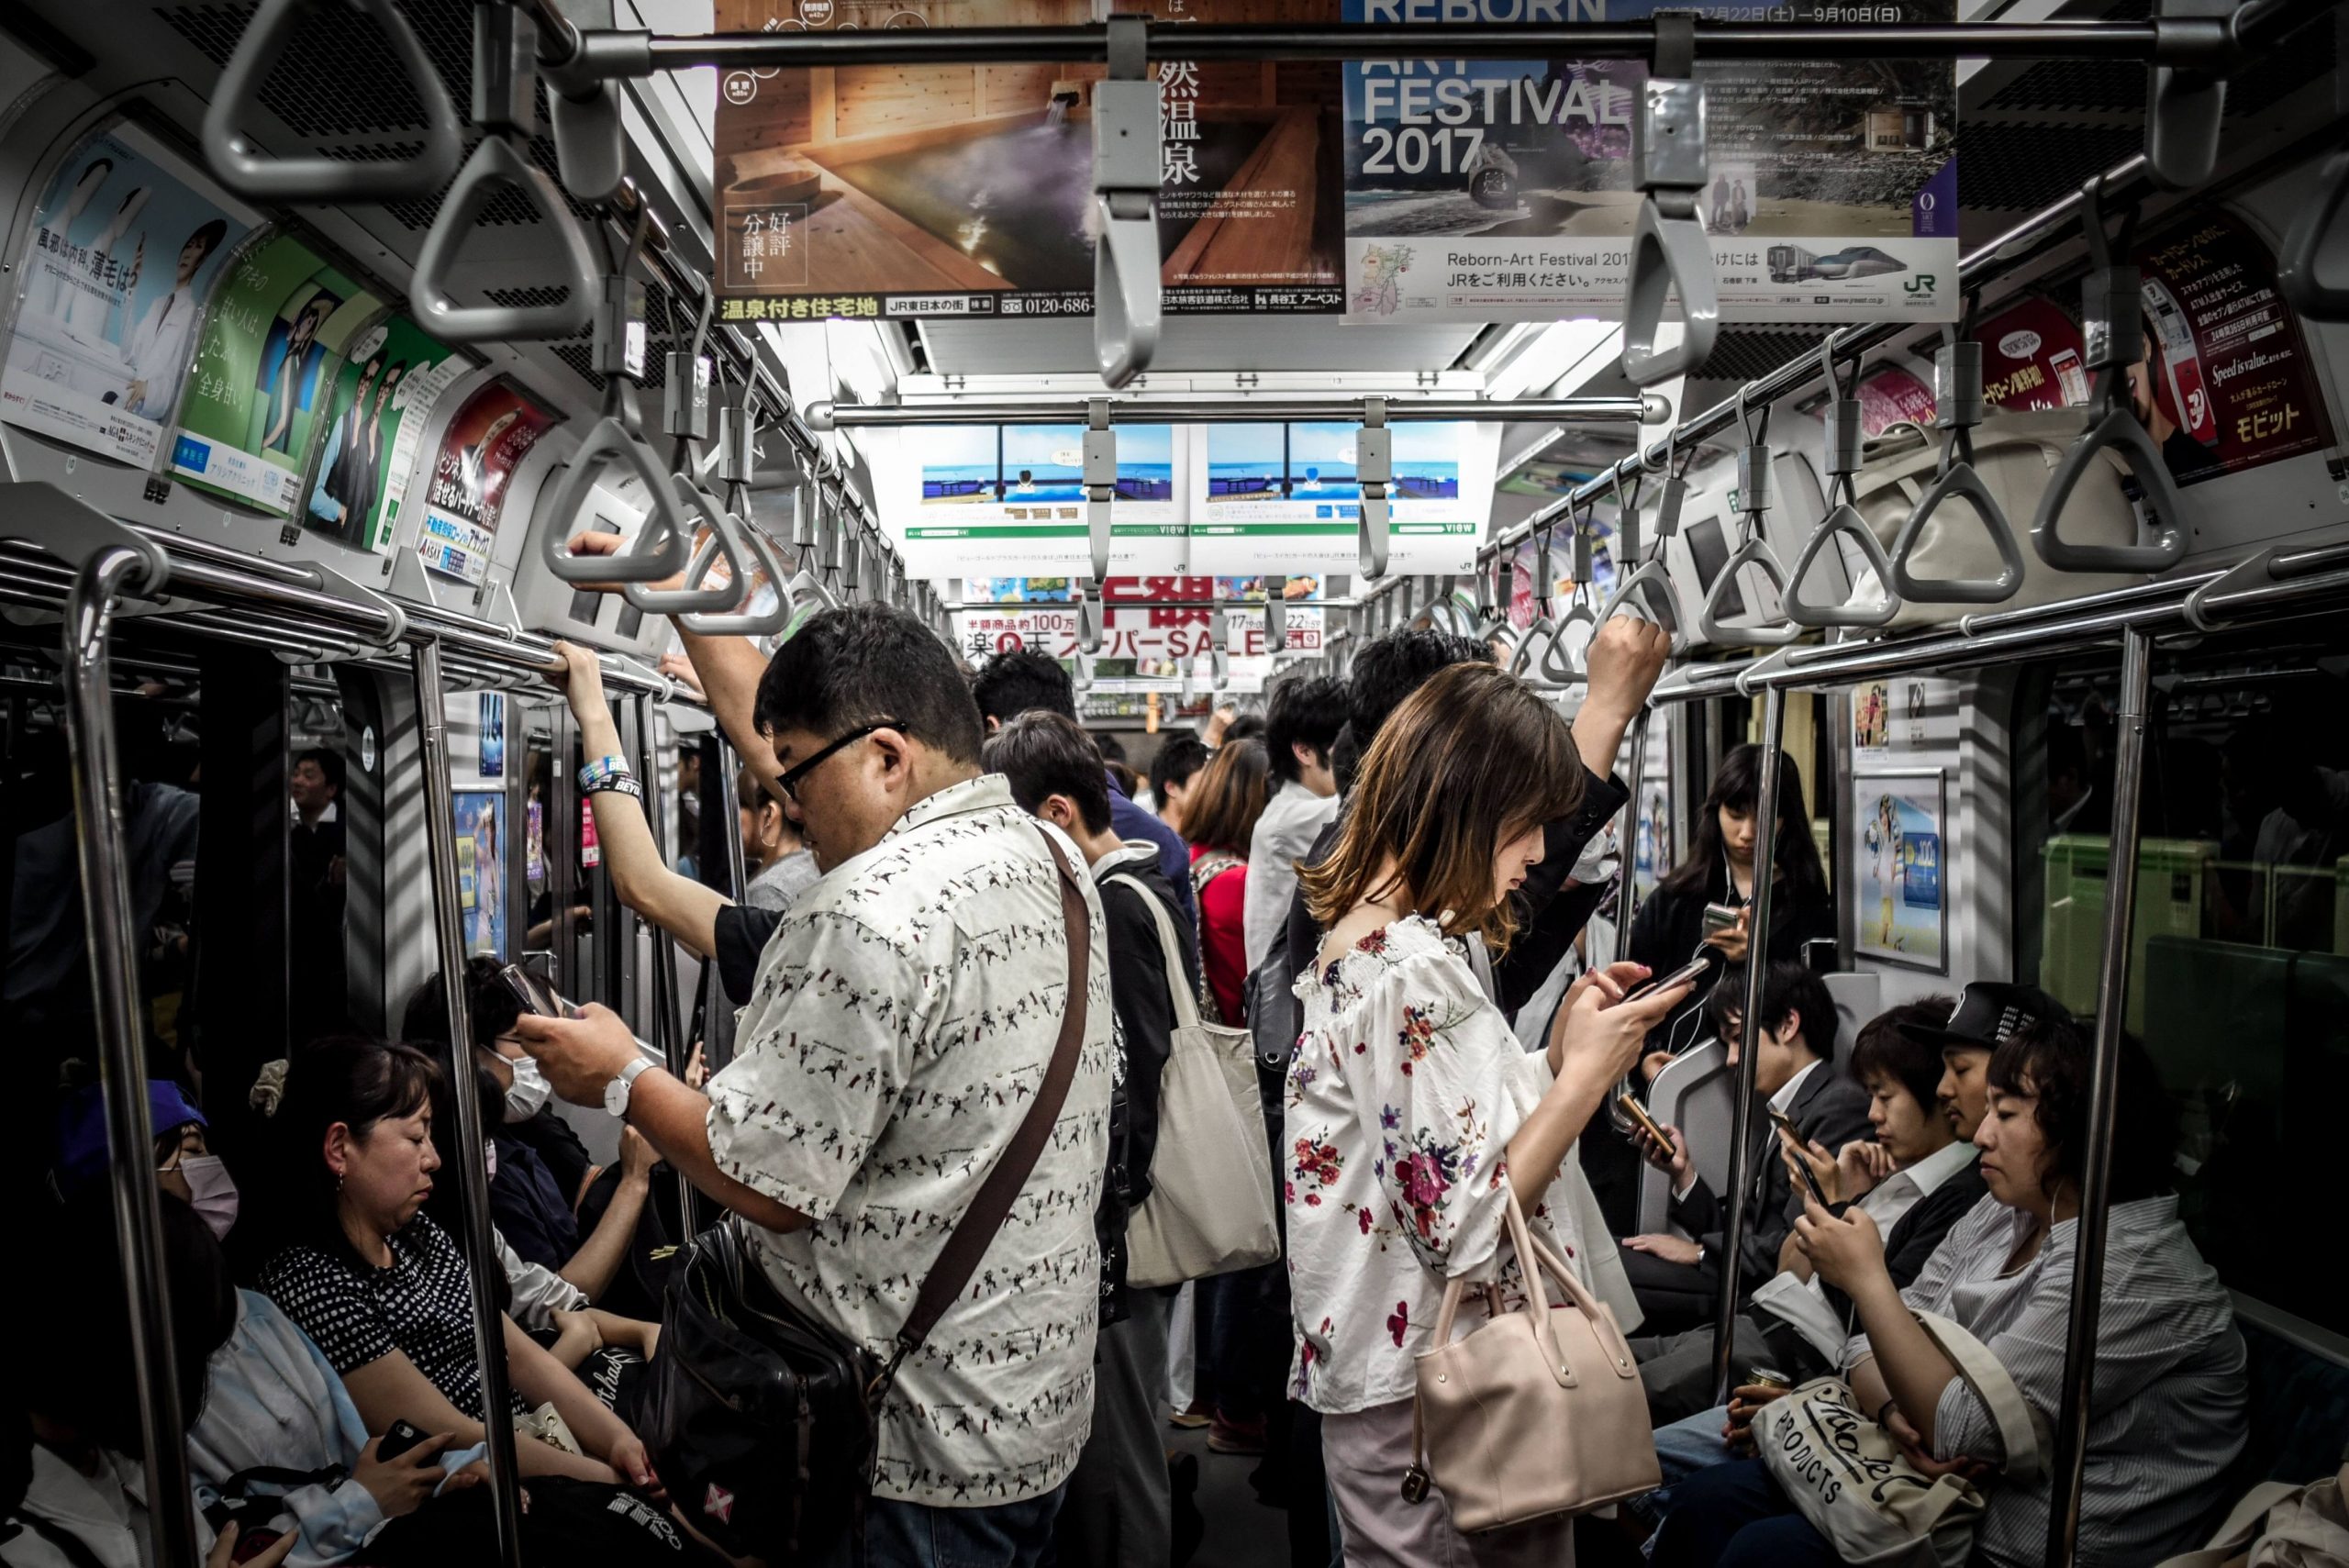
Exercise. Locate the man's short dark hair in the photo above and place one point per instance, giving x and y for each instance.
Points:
(1787, 987)
(1245, 727)
(1390, 668)
(1044, 754)
(1180, 756)
(866, 663)
(330, 763)
(1885, 1049)
(1306, 710)
(1021, 681)
(493, 1006)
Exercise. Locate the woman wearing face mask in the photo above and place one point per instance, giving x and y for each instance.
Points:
(184, 1163)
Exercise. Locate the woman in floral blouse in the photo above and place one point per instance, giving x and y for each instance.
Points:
(1412, 1109)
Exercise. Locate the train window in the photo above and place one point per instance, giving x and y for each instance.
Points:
(2238, 979)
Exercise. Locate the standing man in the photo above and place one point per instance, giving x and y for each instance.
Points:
(1299, 730)
(907, 1011)
(314, 866)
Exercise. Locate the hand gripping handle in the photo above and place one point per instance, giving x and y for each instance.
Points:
(691, 599)
(611, 441)
(748, 623)
(495, 163)
(325, 181)
(1648, 590)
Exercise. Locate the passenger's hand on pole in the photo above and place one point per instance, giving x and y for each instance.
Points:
(224, 1549)
(580, 1055)
(696, 1069)
(582, 681)
(613, 544)
(1624, 659)
(680, 669)
(1846, 1251)
(401, 1484)
(1671, 1248)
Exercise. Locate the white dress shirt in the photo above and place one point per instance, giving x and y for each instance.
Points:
(157, 349)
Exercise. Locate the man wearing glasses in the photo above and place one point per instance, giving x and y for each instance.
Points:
(903, 1009)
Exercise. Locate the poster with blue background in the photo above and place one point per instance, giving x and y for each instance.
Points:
(1902, 898)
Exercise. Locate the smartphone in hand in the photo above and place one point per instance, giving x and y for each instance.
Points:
(1784, 1123)
(1629, 1104)
(534, 993)
(402, 1436)
(1696, 968)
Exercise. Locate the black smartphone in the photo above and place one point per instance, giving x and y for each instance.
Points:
(1695, 969)
(1802, 1167)
(402, 1436)
(532, 991)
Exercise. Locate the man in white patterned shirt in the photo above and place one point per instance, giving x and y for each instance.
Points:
(902, 1015)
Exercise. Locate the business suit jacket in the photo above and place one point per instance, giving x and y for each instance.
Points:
(1829, 1111)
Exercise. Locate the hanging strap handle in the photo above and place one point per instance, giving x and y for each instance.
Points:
(1846, 437)
(1753, 500)
(1958, 406)
(1669, 247)
(1128, 299)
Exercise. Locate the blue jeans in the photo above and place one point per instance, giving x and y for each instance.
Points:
(910, 1535)
(1682, 1449)
(1734, 1516)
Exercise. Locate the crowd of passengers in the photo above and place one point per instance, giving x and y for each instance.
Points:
(1392, 883)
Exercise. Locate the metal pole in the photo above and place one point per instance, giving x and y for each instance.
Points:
(1646, 408)
(473, 1168)
(2096, 1186)
(1626, 886)
(717, 1027)
(670, 1035)
(114, 983)
(1742, 1153)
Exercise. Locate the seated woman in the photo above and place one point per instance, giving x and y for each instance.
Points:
(2167, 1412)
(184, 1163)
(383, 1291)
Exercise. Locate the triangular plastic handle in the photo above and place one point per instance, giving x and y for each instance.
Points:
(748, 623)
(1710, 628)
(1844, 520)
(1960, 483)
(1668, 252)
(2319, 234)
(493, 163)
(322, 181)
(690, 599)
(610, 442)
(2117, 430)
(1652, 585)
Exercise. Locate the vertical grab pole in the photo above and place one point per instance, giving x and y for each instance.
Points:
(718, 1024)
(472, 1167)
(1758, 963)
(114, 981)
(2096, 1186)
(674, 1052)
(1626, 889)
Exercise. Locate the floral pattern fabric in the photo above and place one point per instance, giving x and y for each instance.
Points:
(1406, 1087)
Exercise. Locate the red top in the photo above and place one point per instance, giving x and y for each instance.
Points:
(1221, 907)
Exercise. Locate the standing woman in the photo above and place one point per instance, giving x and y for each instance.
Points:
(1413, 1111)
(1219, 819)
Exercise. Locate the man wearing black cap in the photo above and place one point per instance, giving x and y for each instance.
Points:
(1988, 1014)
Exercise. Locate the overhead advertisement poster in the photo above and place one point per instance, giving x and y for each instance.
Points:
(1485, 190)
(264, 369)
(1288, 498)
(919, 190)
(1013, 496)
(484, 443)
(383, 397)
(114, 279)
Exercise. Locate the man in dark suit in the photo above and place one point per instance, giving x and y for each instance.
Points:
(1678, 1279)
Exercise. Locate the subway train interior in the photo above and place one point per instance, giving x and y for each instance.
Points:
(1189, 370)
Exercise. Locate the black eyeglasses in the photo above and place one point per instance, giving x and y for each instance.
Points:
(792, 777)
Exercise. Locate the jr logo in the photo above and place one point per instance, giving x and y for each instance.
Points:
(1921, 284)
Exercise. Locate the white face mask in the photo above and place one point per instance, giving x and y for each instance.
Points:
(530, 1091)
(212, 1193)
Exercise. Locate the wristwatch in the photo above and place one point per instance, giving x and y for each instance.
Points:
(615, 1092)
(1700, 1246)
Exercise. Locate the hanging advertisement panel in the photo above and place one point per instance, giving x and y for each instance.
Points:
(264, 368)
(1903, 905)
(383, 397)
(1142, 649)
(483, 444)
(1494, 190)
(922, 191)
(114, 276)
(1288, 497)
(481, 869)
(1014, 496)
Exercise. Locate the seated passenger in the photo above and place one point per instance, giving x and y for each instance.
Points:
(2167, 1410)
(383, 1291)
(184, 1163)
(1676, 1278)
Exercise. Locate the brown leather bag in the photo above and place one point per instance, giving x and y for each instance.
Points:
(1538, 1412)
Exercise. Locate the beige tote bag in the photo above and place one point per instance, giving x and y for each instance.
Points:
(1210, 1205)
(1538, 1412)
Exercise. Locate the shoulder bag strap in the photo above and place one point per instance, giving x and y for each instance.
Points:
(975, 1231)
(2021, 1428)
(66, 1544)
(1187, 1007)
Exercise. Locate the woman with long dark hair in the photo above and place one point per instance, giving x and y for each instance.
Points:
(1219, 819)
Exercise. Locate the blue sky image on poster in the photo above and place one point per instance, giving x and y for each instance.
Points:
(1011, 495)
(1491, 190)
(1900, 869)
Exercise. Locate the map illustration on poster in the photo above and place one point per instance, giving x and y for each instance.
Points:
(950, 190)
(1485, 190)
(1013, 495)
(1289, 497)
(481, 869)
(264, 366)
(383, 397)
(1903, 902)
(484, 443)
(114, 277)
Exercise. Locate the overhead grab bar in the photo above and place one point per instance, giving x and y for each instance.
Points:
(325, 181)
(1844, 438)
(505, 56)
(2319, 232)
(1752, 550)
(2113, 329)
(1374, 470)
(2185, 107)
(1669, 249)
(1958, 406)
(1127, 300)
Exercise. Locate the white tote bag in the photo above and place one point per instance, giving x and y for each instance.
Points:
(1847, 1476)
(1210, 1205)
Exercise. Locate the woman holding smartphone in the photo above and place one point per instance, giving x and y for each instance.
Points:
(1412, 1110)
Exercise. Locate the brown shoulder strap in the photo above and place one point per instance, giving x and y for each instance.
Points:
(975, 1231)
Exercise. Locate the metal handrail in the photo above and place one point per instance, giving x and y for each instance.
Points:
(1240, 410)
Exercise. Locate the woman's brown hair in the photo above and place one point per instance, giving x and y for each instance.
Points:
(1226, 798)
(1470, 761)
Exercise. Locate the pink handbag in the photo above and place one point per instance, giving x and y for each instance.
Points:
(1538, 1412)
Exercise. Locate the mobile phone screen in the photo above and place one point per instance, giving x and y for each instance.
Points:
(1694, 969)
(1630, 1107)
(533, 992)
